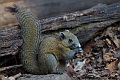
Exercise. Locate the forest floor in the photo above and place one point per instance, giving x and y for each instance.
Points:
(100, 60)
(101, 57)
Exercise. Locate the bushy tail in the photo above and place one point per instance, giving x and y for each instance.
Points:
(31, 37)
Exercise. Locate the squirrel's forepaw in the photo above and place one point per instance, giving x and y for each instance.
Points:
(60, 70)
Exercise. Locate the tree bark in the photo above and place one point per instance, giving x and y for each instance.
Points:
(46, 8)
(85, 24)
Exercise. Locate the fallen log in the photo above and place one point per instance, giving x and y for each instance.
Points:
(85, 24)
(45, 8)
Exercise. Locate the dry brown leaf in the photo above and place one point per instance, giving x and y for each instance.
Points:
(70, 71)
(2, 77)
(113, 37)
(117, 53)
(112, 65)
(119, 65)
(107, 57)
(79, 66)
(88, 47)
(113, 74)
(116, 42)
(100, 43)
(108, 41)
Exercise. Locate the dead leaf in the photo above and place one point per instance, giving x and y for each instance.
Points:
(113, 37)
(113, 74)
(119, 65)
(107, 57)
(112, 65)
(100, 43)
(70, 71)
(108, 41)
(88, 47)
(79, 66)
(117, 53)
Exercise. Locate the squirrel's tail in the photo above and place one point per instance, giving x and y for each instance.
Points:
(31, 37)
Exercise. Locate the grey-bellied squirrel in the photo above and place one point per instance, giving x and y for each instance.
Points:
(52, 52)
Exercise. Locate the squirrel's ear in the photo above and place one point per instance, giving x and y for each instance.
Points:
(61, 35)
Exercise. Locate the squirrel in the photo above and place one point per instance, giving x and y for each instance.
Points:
(45, 56)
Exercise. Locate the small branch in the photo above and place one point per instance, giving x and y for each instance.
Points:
(15, 76)
(10, 67)
(9, 53)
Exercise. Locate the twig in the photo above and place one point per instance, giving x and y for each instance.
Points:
(10, 67)
(15, 76)
(9, 53)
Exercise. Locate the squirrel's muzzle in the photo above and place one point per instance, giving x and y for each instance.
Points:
(79, 53)
(78, 50)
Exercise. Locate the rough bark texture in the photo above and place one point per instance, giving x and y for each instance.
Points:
(85, 24)
(46, 8)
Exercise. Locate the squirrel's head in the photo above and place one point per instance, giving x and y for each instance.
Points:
(71, 41)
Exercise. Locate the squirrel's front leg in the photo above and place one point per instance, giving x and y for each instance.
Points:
(61, 66)
(55, 66)
(47, 63)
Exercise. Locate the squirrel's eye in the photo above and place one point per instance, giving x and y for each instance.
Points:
(70, 40)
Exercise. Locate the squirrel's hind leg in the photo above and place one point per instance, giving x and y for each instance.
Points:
(48, 63)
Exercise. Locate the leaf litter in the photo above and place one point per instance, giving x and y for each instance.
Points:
(101, 58)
